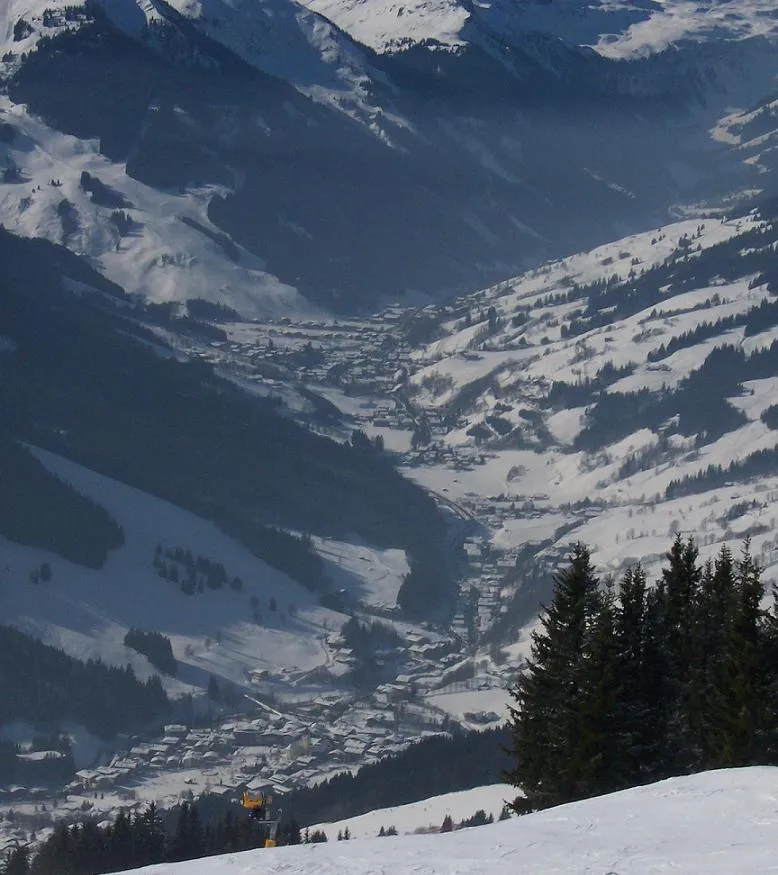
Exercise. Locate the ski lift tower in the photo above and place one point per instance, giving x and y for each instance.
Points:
(259, 808)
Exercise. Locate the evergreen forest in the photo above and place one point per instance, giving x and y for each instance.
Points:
(628, 684)
(45, 687)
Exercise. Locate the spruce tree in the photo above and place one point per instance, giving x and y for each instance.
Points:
(546, 719)
(769, 661)
(600, 752)
(739, 714)
(674, 610)
(18, 861)
(640, 682)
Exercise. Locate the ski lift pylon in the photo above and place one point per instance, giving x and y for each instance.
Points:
(258, 807)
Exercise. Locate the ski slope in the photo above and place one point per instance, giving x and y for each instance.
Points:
(716, 823)
(86, 612)
(424, 815)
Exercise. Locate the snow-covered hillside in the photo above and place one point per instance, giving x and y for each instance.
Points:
(615, 28)
(499, 385)
(273, 154)
(427, 815)
(716, 823)
(87, 612)
(166, 255)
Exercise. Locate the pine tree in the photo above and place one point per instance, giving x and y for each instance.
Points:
(601, 737)
(739, 717)
(18, 862)
(769, 660)
(674, 610)
(639, 679)
(546, 719)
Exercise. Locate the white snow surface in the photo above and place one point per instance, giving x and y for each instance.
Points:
(427, 814)
(615, 28)
(162, 258)
(388, 24)
(369, 574)
(716, 823)
(87, 612)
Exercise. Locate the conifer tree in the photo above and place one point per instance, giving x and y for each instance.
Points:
(769, 660)
(640, 682)
(601, 736)
(546, 719)
(18, 862)
(740, 716)
(674, 610)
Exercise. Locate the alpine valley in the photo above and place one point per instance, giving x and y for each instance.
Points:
(326, 327)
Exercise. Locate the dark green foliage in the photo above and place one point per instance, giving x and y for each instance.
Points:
(68, 217)
(22, 29)
(222, 240)
(148, 837)
(644, 684)
(617, 298)
(770, 416)
(42, 685)
(155, 647)
(56, 766)
(694, 406)
(565, 395)
(40, 510)
(760, 462)
(551, 696)
(365, 638)
(200, 309)
(102, 194)
(480, 818)
(703, 331)
(123, 222)
(12, 174)
(194, 572)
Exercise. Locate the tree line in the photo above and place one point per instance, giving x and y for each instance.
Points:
(143, 838)
(44, 686)
(630, 684)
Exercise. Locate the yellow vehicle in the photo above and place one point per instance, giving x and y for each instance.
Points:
(258, 807)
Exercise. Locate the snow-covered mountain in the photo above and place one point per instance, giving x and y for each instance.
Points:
(615, 28)
(716, 823)
(278, 157)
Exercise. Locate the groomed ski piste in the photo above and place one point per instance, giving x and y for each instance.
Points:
(716, 823)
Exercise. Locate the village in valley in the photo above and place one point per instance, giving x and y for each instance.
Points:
(456, 397)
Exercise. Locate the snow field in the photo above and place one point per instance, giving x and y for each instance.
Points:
(162, 258)
(715, 823)
(87, 612)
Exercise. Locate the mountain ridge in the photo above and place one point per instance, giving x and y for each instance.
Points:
(345, 176)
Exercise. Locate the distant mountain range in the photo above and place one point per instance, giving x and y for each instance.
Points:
(357, 153)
